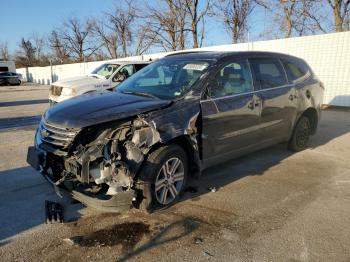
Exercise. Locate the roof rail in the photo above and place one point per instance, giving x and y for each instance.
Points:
(186, 52)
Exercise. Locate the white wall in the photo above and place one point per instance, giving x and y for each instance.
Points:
(328, 55)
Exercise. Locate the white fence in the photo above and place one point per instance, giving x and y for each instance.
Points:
(328, 55)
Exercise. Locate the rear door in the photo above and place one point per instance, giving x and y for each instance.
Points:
(277, 96)
(230, 113)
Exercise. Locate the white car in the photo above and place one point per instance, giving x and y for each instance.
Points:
(104, 77)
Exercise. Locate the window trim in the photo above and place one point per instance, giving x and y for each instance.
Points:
(220, 67)
(111, 78)
(295, 60)
(247, 93)
(280, 63)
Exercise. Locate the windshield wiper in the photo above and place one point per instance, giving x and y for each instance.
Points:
(139, 94)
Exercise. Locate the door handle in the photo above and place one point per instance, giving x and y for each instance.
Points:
(292, 97)
(253, 103)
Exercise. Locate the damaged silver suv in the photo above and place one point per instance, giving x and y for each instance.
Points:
(136, 146)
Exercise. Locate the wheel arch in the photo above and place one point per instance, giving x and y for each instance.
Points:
(190, 148)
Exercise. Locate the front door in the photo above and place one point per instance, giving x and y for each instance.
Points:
(230, 113)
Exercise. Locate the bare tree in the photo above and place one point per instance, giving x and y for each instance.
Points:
(167, 21)
(121, 20)
(163, 24)
(313, 13)
(100, 55)
(146, 38)
(26, 55)
(108, 37)
(295, 17)
(235, 14)
(289, 10)
(4, 52)
(197, 15)
(181, 15)
(59, 48)
(40, 43)
(75, 36)
(340, 9)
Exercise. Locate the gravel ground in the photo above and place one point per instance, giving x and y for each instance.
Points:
(269, 206)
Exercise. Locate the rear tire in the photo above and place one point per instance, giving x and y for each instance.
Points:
(301, 135)
(163, 177)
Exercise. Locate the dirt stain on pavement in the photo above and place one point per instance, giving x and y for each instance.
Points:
(126, 234)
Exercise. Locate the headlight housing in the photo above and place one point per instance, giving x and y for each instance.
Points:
(68, 91)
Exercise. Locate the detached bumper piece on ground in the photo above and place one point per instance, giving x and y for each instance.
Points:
(53, 212)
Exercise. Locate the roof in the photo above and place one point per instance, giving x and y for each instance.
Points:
(216, 55)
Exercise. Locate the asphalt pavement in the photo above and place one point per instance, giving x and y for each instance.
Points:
(272, 205)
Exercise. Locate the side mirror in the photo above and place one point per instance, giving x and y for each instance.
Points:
(207, 93)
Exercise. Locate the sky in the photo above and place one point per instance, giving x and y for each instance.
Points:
(23, 18)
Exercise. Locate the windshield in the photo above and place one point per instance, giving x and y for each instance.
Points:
(165, 79)
(105, 70)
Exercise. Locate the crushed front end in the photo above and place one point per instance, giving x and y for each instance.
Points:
(98, 164)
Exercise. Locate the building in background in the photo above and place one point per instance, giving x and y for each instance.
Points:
(7, 66)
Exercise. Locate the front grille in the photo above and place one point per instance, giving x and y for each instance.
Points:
(56, 136)
(56, 90)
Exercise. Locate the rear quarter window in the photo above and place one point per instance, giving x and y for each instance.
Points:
(295, 69)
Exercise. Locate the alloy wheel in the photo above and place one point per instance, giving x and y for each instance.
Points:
(169, 181)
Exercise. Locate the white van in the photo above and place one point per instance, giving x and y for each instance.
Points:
(104, 77)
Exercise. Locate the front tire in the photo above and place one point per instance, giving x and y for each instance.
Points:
(163, 177)
(301, 135)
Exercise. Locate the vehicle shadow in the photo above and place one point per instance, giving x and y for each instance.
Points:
(254, 164)
(16, 122)
(334, 123)
(24, 102)
(22, 201)
(2, 243)
(172, 232)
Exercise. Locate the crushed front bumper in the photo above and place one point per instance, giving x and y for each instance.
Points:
(120, 202)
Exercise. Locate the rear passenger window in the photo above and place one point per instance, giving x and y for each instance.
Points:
(268, 72)
(295, 69)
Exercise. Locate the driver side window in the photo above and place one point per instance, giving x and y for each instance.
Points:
(124, 73)
(233, 78)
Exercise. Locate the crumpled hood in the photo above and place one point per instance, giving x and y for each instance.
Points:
(99, 107)
(80, 81)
